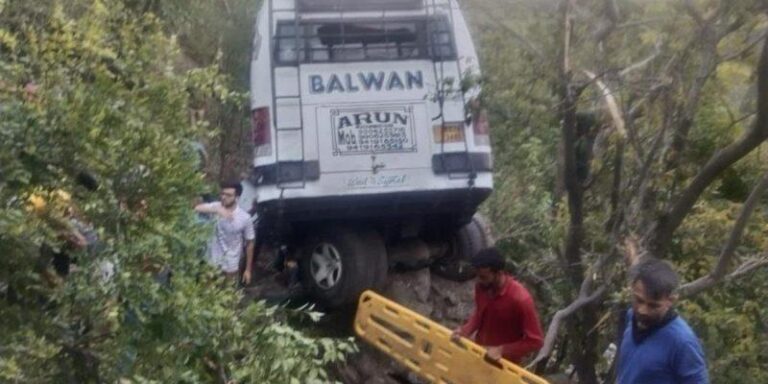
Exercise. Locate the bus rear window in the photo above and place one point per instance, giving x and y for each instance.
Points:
(333, 41)
(357, 5)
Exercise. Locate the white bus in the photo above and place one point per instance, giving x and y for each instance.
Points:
(367, 135)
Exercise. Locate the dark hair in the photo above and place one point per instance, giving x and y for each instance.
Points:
(658, 277)
(489, 258)
(233, 185)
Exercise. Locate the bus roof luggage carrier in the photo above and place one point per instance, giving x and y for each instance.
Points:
(357, 5)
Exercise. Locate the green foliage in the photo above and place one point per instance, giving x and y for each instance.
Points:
(220, 34)
(95, 87)
(728, 321)
(521, 54)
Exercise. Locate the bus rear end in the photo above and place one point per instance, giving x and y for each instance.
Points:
(368, 136)
(364, 101)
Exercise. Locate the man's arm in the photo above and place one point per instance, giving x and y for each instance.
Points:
(249, 233)
(248, 262)
(533, 337)
(690, 365)
(472, 324)
(210, 208)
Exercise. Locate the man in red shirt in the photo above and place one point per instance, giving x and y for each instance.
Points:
(505, 319)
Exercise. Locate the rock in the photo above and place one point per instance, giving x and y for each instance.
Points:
(370, 362)
(348, 374)
(450, 298)
(381, 380)
(559, 378)
(369, 366)
(411, 290)
(410, 284)
(409, 255)
(453, 302)
(447, 302)
(413, 286)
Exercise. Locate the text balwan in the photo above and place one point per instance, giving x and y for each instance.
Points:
(366, 81)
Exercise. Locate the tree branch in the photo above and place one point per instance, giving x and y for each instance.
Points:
(750, 44)
(738, 229)
(690, 8)
(570, 135)
(642, 63)
(559, 317)
(584, 298)
(697, 16)
(610, 103)
(729, 250)
(704, 283)
(748, 267)
(227, 7)
(719, 162)
(708, 39)
(643, 182)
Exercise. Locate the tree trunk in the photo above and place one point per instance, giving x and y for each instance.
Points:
(582, 345)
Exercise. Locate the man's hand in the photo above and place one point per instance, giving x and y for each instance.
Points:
(493, 353)
(214, 209)
(247, 277)
(456, 335)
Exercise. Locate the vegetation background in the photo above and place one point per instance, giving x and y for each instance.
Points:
(120, 89)
(629, 128)
(621, 128)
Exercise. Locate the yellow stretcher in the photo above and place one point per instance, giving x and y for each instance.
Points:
(426, 348)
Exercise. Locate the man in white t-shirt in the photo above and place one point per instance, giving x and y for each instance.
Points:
(233, 232)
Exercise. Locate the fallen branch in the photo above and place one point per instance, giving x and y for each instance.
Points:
(584, 298)
(560, 316)
(610, 103)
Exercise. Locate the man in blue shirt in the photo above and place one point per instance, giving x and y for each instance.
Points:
(657, 345)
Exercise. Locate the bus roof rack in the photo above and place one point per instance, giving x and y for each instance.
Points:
(357, 5)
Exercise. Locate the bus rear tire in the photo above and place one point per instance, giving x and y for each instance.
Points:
(464, 245)
(338, 264)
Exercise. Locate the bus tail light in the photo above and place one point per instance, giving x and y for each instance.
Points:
(449, 133)
(262, 129)
(481, 128)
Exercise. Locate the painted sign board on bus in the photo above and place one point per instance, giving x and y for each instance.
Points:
(362, 131)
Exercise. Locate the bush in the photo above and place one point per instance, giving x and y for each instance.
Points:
(92, 93)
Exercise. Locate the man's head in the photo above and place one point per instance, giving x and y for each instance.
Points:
(653, 283)
(489, 267)
(230, 192)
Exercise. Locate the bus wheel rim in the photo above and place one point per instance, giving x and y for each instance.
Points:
(326, 266)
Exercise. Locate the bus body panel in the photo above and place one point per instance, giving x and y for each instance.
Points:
(339, 99)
